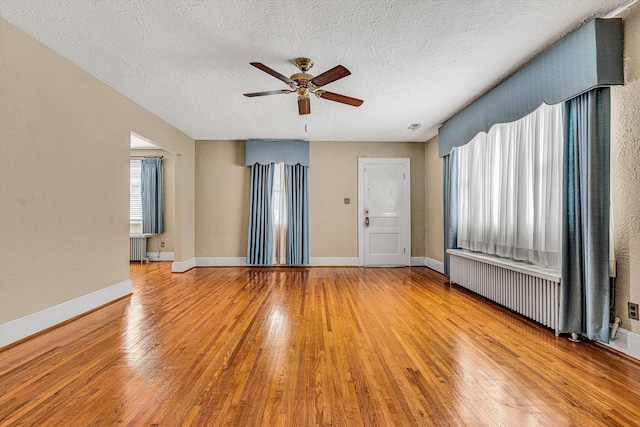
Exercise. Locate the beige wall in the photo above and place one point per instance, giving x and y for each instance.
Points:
(222, 199)
(222, 194)
(64, 151)
(168, 202)
(625, 171)
(433, 201)
(333, 176)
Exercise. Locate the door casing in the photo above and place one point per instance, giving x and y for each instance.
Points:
(406, 202)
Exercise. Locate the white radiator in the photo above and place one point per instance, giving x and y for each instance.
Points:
(138, 247)
(531, 291)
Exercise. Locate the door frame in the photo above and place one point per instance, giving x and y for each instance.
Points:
(406, 227)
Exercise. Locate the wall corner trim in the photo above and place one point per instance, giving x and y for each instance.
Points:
(627, 342)
(31, 324)
(434, 265)
(418, 261)
(182, 266)
(428, 262)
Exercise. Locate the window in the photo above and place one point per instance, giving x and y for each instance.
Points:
(510, 195)
(278, 194)
(135, 201)
(279, 200)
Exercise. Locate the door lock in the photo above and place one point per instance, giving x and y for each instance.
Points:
(366, 222)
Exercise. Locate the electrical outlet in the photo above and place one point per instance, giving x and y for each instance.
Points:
(162, 244)
(633, 311)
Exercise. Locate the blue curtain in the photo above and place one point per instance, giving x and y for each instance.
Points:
(260, 239)
(584, 305)
(151, 194)
(296, 191)
(450, 196)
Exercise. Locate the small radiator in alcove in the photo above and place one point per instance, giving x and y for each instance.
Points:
(138, 248)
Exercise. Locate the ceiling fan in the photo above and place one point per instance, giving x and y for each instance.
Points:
(304, 84)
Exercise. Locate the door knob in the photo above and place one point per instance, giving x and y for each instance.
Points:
(366, 222)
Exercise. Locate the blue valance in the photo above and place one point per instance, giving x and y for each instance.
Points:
(266, 151)
(589, 58)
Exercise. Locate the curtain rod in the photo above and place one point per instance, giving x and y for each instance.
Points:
(146, 157)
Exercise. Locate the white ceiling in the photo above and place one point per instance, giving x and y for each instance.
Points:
(411, 61)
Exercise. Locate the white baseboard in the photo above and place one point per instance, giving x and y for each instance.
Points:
(182, 266)
(26, 326)
(427, 262)
(241, 261)
(333, 261)
(313, 262)
(434, 265)
(418, 261)
(164, 256)
(627, 342)
(221, 262)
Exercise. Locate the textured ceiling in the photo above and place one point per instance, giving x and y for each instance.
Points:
(411, 61)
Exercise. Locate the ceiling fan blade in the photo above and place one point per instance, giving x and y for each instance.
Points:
(304, 105)
(269, 92)
(274, 73)
(339, 98)
(331, 75)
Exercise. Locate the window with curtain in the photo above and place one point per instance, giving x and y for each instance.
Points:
(578, 72)
(279, 207)
(151, 195)
(135, 201)
(510, 189)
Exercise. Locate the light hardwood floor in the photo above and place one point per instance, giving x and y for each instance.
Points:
(305, 347)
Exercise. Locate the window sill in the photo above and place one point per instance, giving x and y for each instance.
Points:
(522, 267)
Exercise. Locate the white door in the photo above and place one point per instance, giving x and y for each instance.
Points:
(384, 232)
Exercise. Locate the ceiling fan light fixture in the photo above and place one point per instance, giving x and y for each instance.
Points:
(304, 105)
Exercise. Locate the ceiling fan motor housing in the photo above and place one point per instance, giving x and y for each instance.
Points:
(303, 64)
(301, 78)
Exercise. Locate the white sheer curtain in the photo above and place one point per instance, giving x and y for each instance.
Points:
(279, 216)
(510, 194)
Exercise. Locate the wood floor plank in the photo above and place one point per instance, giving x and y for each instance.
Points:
(310, 347)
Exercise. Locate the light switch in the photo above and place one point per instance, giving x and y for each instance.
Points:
(347, 201)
